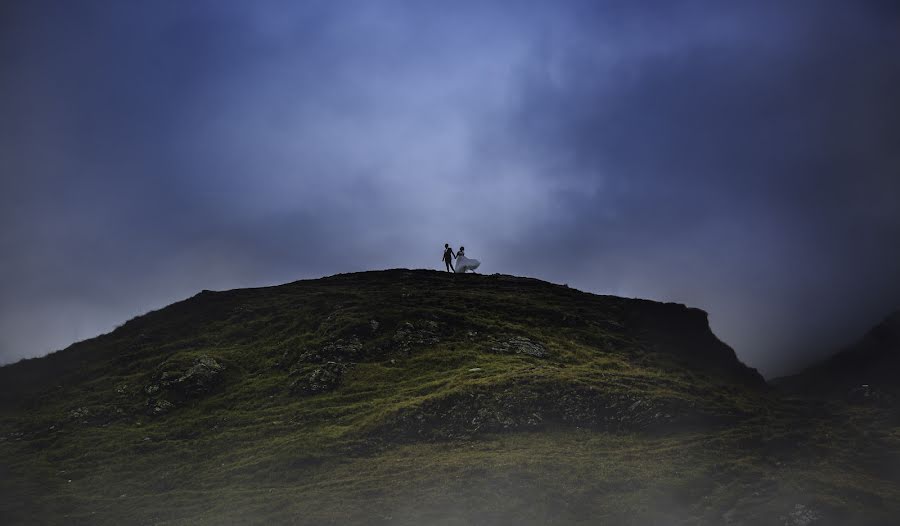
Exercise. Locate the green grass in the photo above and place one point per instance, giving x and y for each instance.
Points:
(638, 415)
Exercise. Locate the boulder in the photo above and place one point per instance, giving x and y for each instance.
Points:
(322, 379)
(160, 407)
(199, 378)
(172, 388)
(96, 415)
(79, 413)
(409, 335)
(520, 345)
(337, 351)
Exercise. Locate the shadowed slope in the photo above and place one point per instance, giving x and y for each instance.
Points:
(415, 397)
(874, 361)
(344, 306)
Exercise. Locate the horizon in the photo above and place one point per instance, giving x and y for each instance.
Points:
(740, 159)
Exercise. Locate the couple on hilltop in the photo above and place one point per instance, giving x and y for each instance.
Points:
(462, 262)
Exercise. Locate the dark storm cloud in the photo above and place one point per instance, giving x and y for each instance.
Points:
(153, 149)
(739, 159)
(744, 161)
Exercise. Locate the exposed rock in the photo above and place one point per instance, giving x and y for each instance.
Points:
(337, 351)
(461, 415)
(96, 415)
(79, 413)
(160, 407)
(200, 377)
(242, 309)
(321, 379)
(520, 345)
(410, 335)
(172, 388)
(800, 516)
(374, 324)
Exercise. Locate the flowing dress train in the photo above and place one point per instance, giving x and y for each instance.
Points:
(463, 263)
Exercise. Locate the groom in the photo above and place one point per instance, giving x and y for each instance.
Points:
(448, 257)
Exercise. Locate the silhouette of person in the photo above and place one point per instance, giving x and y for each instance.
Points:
(448, 257)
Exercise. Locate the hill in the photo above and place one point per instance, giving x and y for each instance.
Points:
(873, 362)
(419, 397)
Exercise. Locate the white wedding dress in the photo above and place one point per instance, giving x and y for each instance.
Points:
(463, 263)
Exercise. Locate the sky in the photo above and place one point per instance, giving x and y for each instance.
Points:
(739, 157)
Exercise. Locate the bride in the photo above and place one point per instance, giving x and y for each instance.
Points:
(463, 263)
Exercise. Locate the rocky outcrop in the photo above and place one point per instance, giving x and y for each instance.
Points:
(200, 378)
(409, 335)
(519, 345)
(170, 388)
(320, 380)
(531, 406)
(684, 334)
(349, 350)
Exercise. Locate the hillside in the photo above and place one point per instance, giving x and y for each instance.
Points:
(873, 362)
(419, 397)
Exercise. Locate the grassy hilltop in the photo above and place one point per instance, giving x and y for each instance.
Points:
(419, 397)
